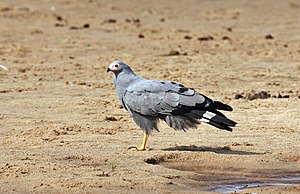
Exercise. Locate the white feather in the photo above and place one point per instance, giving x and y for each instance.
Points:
(208, 115)
(204, 120)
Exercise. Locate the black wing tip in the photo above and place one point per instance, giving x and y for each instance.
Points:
(229, 129)
(223, 126)
(232, 123)
(221, 106)
(229, 108)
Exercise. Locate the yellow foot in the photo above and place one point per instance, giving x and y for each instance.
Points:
(143, 146)
(134, 148)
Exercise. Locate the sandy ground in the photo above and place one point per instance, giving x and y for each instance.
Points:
(62, 129)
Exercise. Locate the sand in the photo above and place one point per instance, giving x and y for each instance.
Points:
(62, 129)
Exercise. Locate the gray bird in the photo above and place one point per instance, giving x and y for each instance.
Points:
(149, 101)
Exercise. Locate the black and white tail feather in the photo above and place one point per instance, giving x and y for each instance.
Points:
(215, 118)
(190, 117)
(219, 121)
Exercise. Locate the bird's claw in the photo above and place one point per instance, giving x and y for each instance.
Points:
(134, 148)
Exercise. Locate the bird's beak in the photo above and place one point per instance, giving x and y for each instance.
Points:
(108, 70)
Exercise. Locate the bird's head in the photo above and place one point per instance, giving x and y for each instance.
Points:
(117, 67)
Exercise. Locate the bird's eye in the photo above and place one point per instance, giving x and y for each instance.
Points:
(116, 65)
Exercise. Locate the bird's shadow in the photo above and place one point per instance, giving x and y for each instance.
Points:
(218, 150)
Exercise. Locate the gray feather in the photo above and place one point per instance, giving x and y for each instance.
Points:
(147, 123)
(151, 97)
(181, 122)
(171, 99)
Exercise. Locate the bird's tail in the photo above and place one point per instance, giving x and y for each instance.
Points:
(213, 118)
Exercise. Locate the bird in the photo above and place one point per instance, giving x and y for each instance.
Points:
(149, 101)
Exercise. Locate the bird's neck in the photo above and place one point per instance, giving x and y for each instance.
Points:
(123, 80)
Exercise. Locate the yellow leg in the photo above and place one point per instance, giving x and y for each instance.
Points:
(143, 146)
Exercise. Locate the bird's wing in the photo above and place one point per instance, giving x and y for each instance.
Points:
(153, 97)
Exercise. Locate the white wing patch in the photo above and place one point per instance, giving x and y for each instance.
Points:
(208, 115)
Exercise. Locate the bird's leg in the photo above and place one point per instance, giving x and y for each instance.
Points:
(143, 146)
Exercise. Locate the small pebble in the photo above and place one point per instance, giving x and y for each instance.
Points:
(206, 38)
(187, 37)
(74, 28)
(110, 21)
(59, 25)
(86, 26)
(269, 37)
(226, 38)
(59, 18)
(174, 53)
